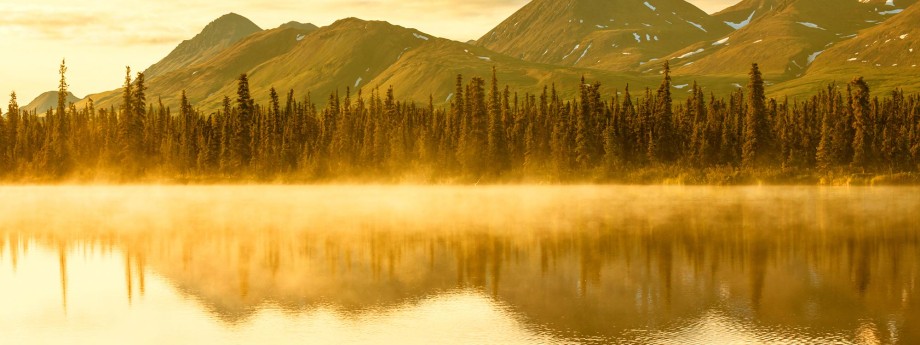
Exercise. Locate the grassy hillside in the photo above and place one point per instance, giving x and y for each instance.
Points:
(368, 54)
(801, 45)
(887, 55)
(205, 80)
(785, 41)
(615, 35)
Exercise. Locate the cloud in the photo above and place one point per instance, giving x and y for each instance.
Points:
(86, 25)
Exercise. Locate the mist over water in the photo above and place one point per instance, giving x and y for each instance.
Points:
(423, 264)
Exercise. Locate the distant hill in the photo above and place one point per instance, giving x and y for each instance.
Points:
(299, 26)
(48, 100)
(216, 36)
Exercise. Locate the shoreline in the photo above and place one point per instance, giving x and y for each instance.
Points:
(700, 178)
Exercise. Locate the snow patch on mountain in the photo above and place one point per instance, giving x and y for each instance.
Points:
(720, 42)
(813, 56)
(653, 8)
(401, 54)
(421, 37)
(571, 52)
(894, 11)
(698, 26)
(691, 53)
(742, 23)
(812, 25)
(583, 54)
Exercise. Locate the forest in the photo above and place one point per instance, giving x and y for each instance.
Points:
(486, 134)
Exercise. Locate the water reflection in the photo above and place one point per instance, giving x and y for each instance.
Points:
(650, 265)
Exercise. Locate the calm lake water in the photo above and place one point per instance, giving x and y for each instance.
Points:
(464, 265)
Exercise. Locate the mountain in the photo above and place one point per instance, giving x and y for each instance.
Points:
(299, 26)
(790, 39)
(216, 36)
(369, 54)
(786, 40)
(888, 55)
(613, 35)
(48, 100)
(207, 75)
(359, 54)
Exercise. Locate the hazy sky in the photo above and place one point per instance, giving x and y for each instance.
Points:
(99, 37)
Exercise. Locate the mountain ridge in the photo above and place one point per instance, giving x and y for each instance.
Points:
(216, 36)
(366, 54)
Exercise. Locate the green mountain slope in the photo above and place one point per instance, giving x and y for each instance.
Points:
(786, 40)
(887, 55)
(362, 54)
(613, 35)
(205, 78)
(216, 36)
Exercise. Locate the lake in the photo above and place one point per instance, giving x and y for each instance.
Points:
(458, 265)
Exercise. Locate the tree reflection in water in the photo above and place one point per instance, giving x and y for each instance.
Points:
(581, 264)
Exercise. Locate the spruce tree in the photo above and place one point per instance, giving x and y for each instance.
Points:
(137, 141)
(241, 137)
(126, 120)
(825, 155)
(497, 151)
(756, 128)
(55, 155)
(662, 146)
(12, 129)
(862, 124)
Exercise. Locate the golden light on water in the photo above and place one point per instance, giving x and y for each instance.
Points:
(489, 265)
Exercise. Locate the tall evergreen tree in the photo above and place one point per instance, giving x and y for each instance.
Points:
(12, 129)
(57, 159)
(241, 124)
(756, 128)
(862, 124)
(662, 146)
(497, 151)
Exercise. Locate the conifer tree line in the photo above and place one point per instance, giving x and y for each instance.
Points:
(486, 133)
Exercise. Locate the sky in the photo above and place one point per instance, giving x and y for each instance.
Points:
(98, 38)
